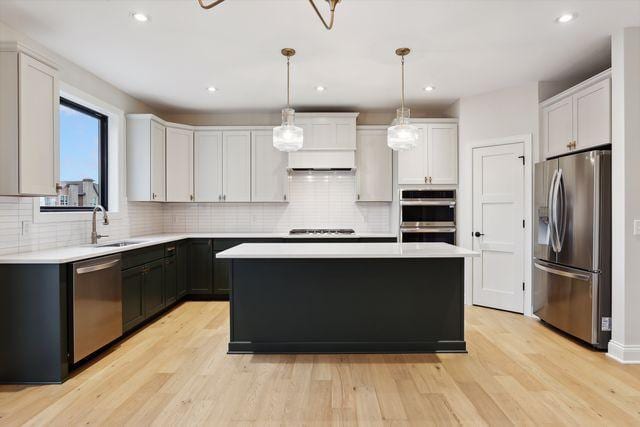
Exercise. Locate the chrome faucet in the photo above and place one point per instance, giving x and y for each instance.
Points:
(94, 234)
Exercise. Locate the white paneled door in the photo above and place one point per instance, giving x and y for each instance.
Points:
(498, 227)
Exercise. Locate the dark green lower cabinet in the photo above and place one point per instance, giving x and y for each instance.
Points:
(182, 267)
(200, 259)
(221, 282)
(132, 297)
(170, 280)
(154, 299)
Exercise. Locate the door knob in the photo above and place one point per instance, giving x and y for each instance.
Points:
(478, 234)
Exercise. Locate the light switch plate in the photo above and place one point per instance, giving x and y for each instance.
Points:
(636, 227)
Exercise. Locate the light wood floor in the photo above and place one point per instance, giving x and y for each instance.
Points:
(176, 371)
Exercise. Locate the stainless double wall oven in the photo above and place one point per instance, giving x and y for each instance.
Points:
(428, 216)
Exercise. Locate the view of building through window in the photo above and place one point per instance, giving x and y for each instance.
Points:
(82, 135)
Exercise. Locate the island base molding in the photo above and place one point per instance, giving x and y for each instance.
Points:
(406, 305)
(347, 347)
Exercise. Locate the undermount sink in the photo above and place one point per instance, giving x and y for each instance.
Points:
(120, 243)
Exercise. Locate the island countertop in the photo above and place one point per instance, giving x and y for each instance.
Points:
(345, 250)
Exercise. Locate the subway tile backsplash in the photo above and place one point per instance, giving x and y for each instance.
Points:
(317, 200)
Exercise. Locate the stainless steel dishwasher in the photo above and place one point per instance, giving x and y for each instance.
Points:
(97, 304)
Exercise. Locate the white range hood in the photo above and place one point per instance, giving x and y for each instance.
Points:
(329, 142)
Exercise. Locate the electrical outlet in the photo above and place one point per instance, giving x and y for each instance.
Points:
(26, 228)
(636, 227)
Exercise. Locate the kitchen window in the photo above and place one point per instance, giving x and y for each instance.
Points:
(84, 137)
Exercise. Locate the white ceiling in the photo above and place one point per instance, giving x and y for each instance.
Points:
(461, 47)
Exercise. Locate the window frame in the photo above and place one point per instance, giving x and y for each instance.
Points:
(103, 161)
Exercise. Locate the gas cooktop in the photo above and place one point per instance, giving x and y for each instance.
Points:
(322, 231)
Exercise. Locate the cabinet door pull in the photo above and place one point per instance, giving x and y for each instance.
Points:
(358, 197)
(426, 181)
(284, 197)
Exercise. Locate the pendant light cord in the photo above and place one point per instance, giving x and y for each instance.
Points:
(288, 79)
(402, 98)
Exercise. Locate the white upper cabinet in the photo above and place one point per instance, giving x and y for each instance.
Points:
(578, 118)
(374, 166)
(236, 166)
(208, 166)
(29, 109)
(146, 169)
(179, 161)
(269, 178)
(442, 153)
(434, 160)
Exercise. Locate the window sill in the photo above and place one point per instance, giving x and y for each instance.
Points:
(50, 217)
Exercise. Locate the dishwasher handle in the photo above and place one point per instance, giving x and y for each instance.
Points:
(97, 267)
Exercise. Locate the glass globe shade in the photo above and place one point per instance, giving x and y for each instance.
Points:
(287, 137)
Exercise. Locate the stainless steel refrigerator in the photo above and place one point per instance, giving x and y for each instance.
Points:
(572, 245)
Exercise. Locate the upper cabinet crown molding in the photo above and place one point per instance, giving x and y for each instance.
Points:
(578, 118)
(29, 115)
(15, 46)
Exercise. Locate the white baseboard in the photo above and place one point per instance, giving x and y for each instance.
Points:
(629, 354)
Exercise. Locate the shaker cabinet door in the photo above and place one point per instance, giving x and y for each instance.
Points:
(269, 179)
(179, 165)
(412, 164)
(158, 171)
(38, 128)
(592, 107)
(558, 127)
(207, 158)
(442, 153)
(236, 167)
(374, 166)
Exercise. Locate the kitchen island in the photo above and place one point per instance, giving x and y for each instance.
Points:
(346, 298)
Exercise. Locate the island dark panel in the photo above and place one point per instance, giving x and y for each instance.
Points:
(347, 305)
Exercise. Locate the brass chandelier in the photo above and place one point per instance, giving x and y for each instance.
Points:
(332, 8)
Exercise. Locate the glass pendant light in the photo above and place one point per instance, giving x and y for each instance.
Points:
(287, 136)
(402, 136)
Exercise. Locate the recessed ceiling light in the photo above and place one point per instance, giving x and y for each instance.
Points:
(212, 89)
(566, 17)
(140, 17)
(429, 88)
(321, 88)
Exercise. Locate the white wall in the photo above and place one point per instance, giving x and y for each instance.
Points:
(494, 115)
(18, 231)
(625, 339)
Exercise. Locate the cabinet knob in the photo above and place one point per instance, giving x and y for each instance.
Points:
(219, 197)
(284, 197)
(569, 144)
(426, 181)
(358, 197)
(191, 197)
(224, 197)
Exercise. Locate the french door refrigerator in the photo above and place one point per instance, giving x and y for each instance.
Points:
(572, 245)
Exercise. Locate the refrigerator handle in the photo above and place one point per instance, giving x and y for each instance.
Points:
(556, 219)
(549, 268)
(562, 211)
(551, 213)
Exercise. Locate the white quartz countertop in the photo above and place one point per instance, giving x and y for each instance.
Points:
(346, 250)
(76, 253)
